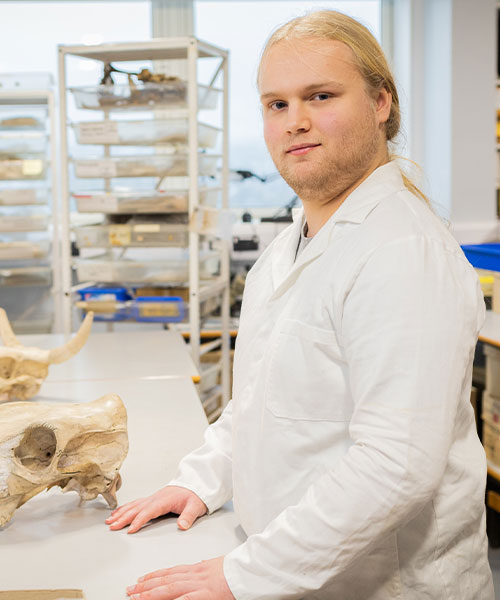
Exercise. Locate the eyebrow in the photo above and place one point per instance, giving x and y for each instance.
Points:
(309, 88)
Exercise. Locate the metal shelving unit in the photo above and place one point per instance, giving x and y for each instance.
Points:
(162, 178)
(30, 288)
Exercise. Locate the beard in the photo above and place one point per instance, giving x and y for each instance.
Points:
(336, 168)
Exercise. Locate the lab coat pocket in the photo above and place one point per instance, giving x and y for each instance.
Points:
(306, 374)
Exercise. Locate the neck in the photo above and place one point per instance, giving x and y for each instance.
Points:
(319, 207)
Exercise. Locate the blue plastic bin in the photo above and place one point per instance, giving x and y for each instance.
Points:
(158, 309)
(96, 293)
(483, 256)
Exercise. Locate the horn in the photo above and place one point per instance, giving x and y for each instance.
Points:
(6, 332)
(74, 345)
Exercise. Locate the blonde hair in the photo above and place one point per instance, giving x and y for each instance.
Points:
(368, 55)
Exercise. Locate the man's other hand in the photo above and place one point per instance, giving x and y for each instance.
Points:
(201, 581)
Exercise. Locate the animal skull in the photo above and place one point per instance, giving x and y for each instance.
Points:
(22, 370)
(78, 447)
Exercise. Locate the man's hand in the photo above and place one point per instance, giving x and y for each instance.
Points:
(169, 499)
(201, 581)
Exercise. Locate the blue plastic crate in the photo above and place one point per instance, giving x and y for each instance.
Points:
(158, 309)
(483, 256)
(117, 294)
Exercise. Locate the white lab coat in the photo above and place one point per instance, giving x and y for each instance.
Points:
(349, 447)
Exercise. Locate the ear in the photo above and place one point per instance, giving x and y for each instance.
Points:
(383, 103)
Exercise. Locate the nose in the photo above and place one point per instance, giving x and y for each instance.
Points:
(298, 120)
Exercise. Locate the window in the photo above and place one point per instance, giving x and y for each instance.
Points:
(31, 31)
(243, 27)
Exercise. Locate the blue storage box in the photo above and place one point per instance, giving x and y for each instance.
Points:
(158, 309)
(483, 256)
(118, 295)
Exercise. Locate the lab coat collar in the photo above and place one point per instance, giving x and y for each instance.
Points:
(356, 207)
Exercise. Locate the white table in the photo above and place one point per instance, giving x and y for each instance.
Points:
(51, 542)
(117, 355)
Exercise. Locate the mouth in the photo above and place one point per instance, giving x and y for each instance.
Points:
(300, 149)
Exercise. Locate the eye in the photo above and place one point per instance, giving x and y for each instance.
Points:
(277, 105)
(322, 96)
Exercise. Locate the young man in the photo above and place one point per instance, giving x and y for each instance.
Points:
(349, 447)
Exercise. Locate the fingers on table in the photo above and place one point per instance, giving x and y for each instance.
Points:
(142, 516)
(121, 510)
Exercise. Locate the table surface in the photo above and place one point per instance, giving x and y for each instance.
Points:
(490, 331)
(52, 542)
(120, 354)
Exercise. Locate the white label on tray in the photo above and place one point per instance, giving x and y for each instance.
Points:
(98, 272)
(104, 132)
(95, 168)
(32, 167)
(18, 197)
(98, 203)
(147, 228)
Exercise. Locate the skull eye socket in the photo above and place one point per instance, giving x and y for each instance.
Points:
(37, 448)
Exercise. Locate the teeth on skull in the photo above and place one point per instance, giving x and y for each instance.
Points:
(37, 448)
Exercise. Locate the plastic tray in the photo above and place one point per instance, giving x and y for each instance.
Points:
(137, 234)
(27, 142)
(148, 96)
(154, 201)
(22, 197)
(168, 271)
(483, 256)
(155, 165)
(21, 122)
(161, 131)
(158, 309)
(36, 276)
(22, 168)
(23, 250)
(23, 223)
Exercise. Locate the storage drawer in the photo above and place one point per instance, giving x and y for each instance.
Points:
(133, 235)
(155, 165)
(17, 168)
(10, 223)
(22, 197)
(160, 131)
(31, 276)
(29, 142)
(147, 96)
(140, 202)
(491, 443)
(492, 369)
(167, 271)
(23, 250)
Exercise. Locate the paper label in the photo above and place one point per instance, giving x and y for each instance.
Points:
(103, 132)
(96, 272)
(159, 309)
(106, 204)
(95, 168)
(119, 235)
(147, 228)
(32, 167)
(18, 197)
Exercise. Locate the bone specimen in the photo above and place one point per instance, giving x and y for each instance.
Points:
(22, 370)
(78, 447)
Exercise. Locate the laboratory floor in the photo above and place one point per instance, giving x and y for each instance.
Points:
(494, 555)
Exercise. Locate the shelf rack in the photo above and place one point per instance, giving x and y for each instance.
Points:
(33, 276)
(191, 50)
